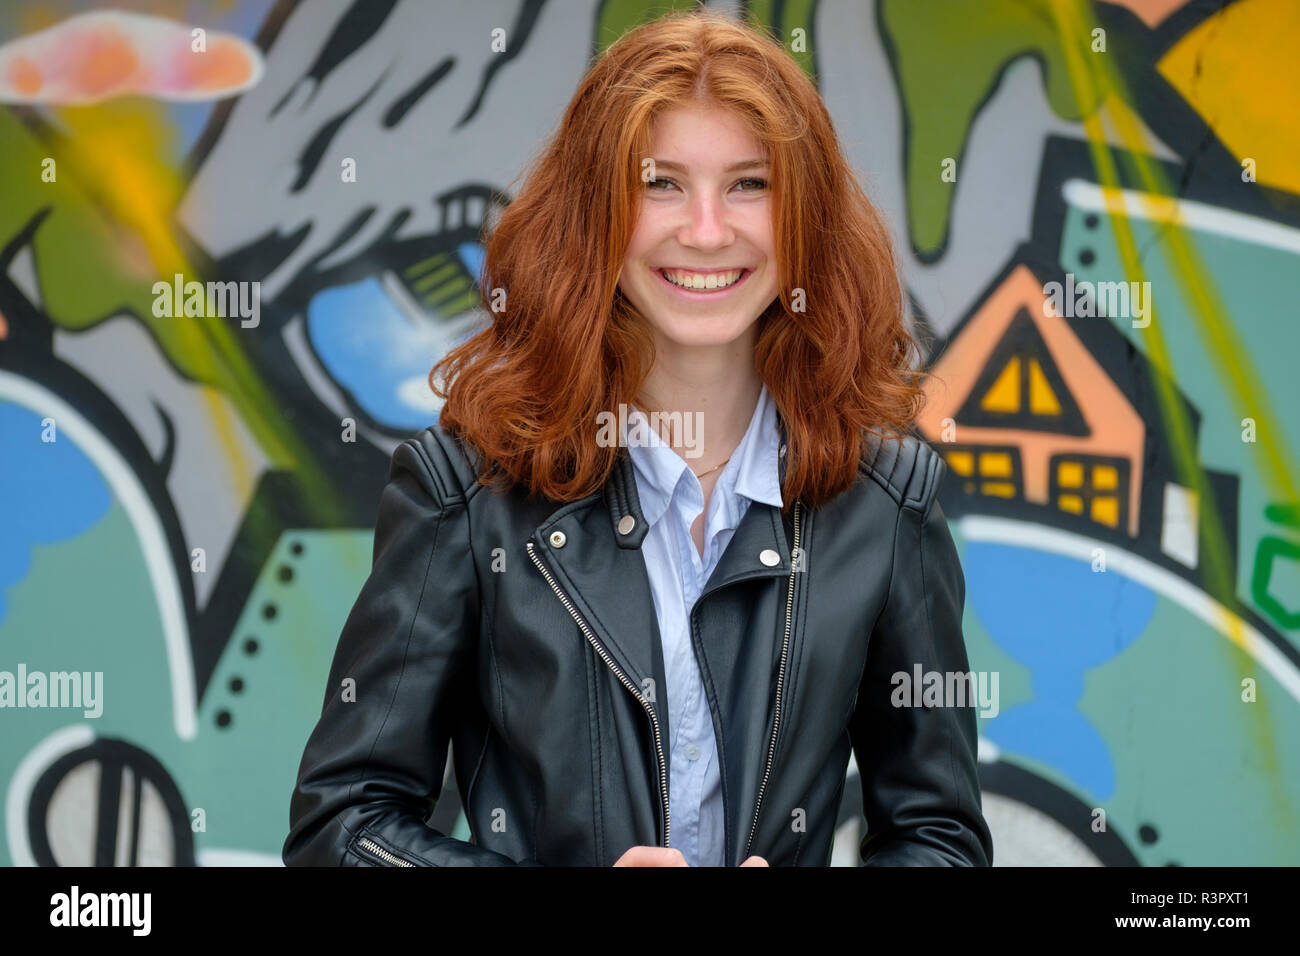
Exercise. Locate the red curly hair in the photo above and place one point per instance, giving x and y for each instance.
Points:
(525, 392)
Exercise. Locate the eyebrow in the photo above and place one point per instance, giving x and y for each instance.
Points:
(734, 167)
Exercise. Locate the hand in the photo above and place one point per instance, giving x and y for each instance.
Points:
(755, 861)
(652, 856)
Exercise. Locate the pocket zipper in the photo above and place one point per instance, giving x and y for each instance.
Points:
(392, 859)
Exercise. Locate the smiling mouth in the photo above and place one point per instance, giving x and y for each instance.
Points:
(703, 283)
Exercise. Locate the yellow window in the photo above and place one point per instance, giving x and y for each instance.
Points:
(1105, 477)
(962, 462)
(1070, 474)
(1042, 400)
(1004, 395)
(1071, 503)
(1002, 489)
(1106, 510)
(995, 464)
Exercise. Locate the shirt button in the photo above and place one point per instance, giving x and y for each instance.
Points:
(692, 752)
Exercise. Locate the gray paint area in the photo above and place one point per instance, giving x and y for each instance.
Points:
(212, 480)
(240, 194)
(994, 199)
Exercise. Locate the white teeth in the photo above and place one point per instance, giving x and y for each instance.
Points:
(697, 281)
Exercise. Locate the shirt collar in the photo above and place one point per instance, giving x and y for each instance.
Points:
(753, 470)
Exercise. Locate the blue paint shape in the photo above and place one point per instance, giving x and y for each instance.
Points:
(377, 353)
(49, 491)
(1059, 618)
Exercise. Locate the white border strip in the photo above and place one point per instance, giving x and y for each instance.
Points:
(218, 856)
(28, 771)
(1042, 538)
(153, 542)
(1200, 216)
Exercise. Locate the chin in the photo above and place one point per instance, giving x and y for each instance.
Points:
(697, 333)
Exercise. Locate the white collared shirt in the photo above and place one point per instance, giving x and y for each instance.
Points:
(671, 499)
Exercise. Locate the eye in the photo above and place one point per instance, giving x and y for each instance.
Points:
(653, 184)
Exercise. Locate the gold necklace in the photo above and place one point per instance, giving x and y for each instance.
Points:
(701, 474)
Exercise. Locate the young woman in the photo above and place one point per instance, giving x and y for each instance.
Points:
(658, 569)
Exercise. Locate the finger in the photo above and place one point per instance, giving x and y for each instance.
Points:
(652, 856)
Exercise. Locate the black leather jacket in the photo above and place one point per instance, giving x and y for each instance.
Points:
(525, 633)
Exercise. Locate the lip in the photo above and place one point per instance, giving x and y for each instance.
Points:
(704, 294)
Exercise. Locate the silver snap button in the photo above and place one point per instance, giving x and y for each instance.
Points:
(626, 524)
(557, 539)
(769, 557)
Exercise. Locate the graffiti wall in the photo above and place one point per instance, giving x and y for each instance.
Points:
(1098, 209)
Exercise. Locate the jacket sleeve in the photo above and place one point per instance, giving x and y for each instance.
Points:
(374, 764)
(920, 783)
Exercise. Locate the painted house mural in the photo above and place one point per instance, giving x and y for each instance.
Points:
(1097, 210)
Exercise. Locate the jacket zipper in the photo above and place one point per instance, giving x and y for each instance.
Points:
(591, 638)
(780, 687)
(391, 859)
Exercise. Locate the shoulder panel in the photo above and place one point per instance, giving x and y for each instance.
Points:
(453, 466)
(907, 467)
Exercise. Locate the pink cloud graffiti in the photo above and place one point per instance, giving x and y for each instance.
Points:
(100, 55)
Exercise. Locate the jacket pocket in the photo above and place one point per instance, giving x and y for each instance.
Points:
(372, 851)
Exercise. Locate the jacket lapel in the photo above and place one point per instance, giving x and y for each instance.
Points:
(602, 570)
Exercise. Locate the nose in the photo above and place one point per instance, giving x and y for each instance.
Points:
(707, 224)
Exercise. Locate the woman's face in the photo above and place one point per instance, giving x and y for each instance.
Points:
(705, 220)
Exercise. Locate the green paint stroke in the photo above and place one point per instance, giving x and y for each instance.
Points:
(948, 62)
(82, 280)
(75, 247)
(1095, 76)
(617, 17)
(780, 19)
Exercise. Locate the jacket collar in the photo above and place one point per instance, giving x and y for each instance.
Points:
(751, 473)
(622, 498)
(610, 585)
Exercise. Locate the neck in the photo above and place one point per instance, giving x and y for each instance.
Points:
(708, 395)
